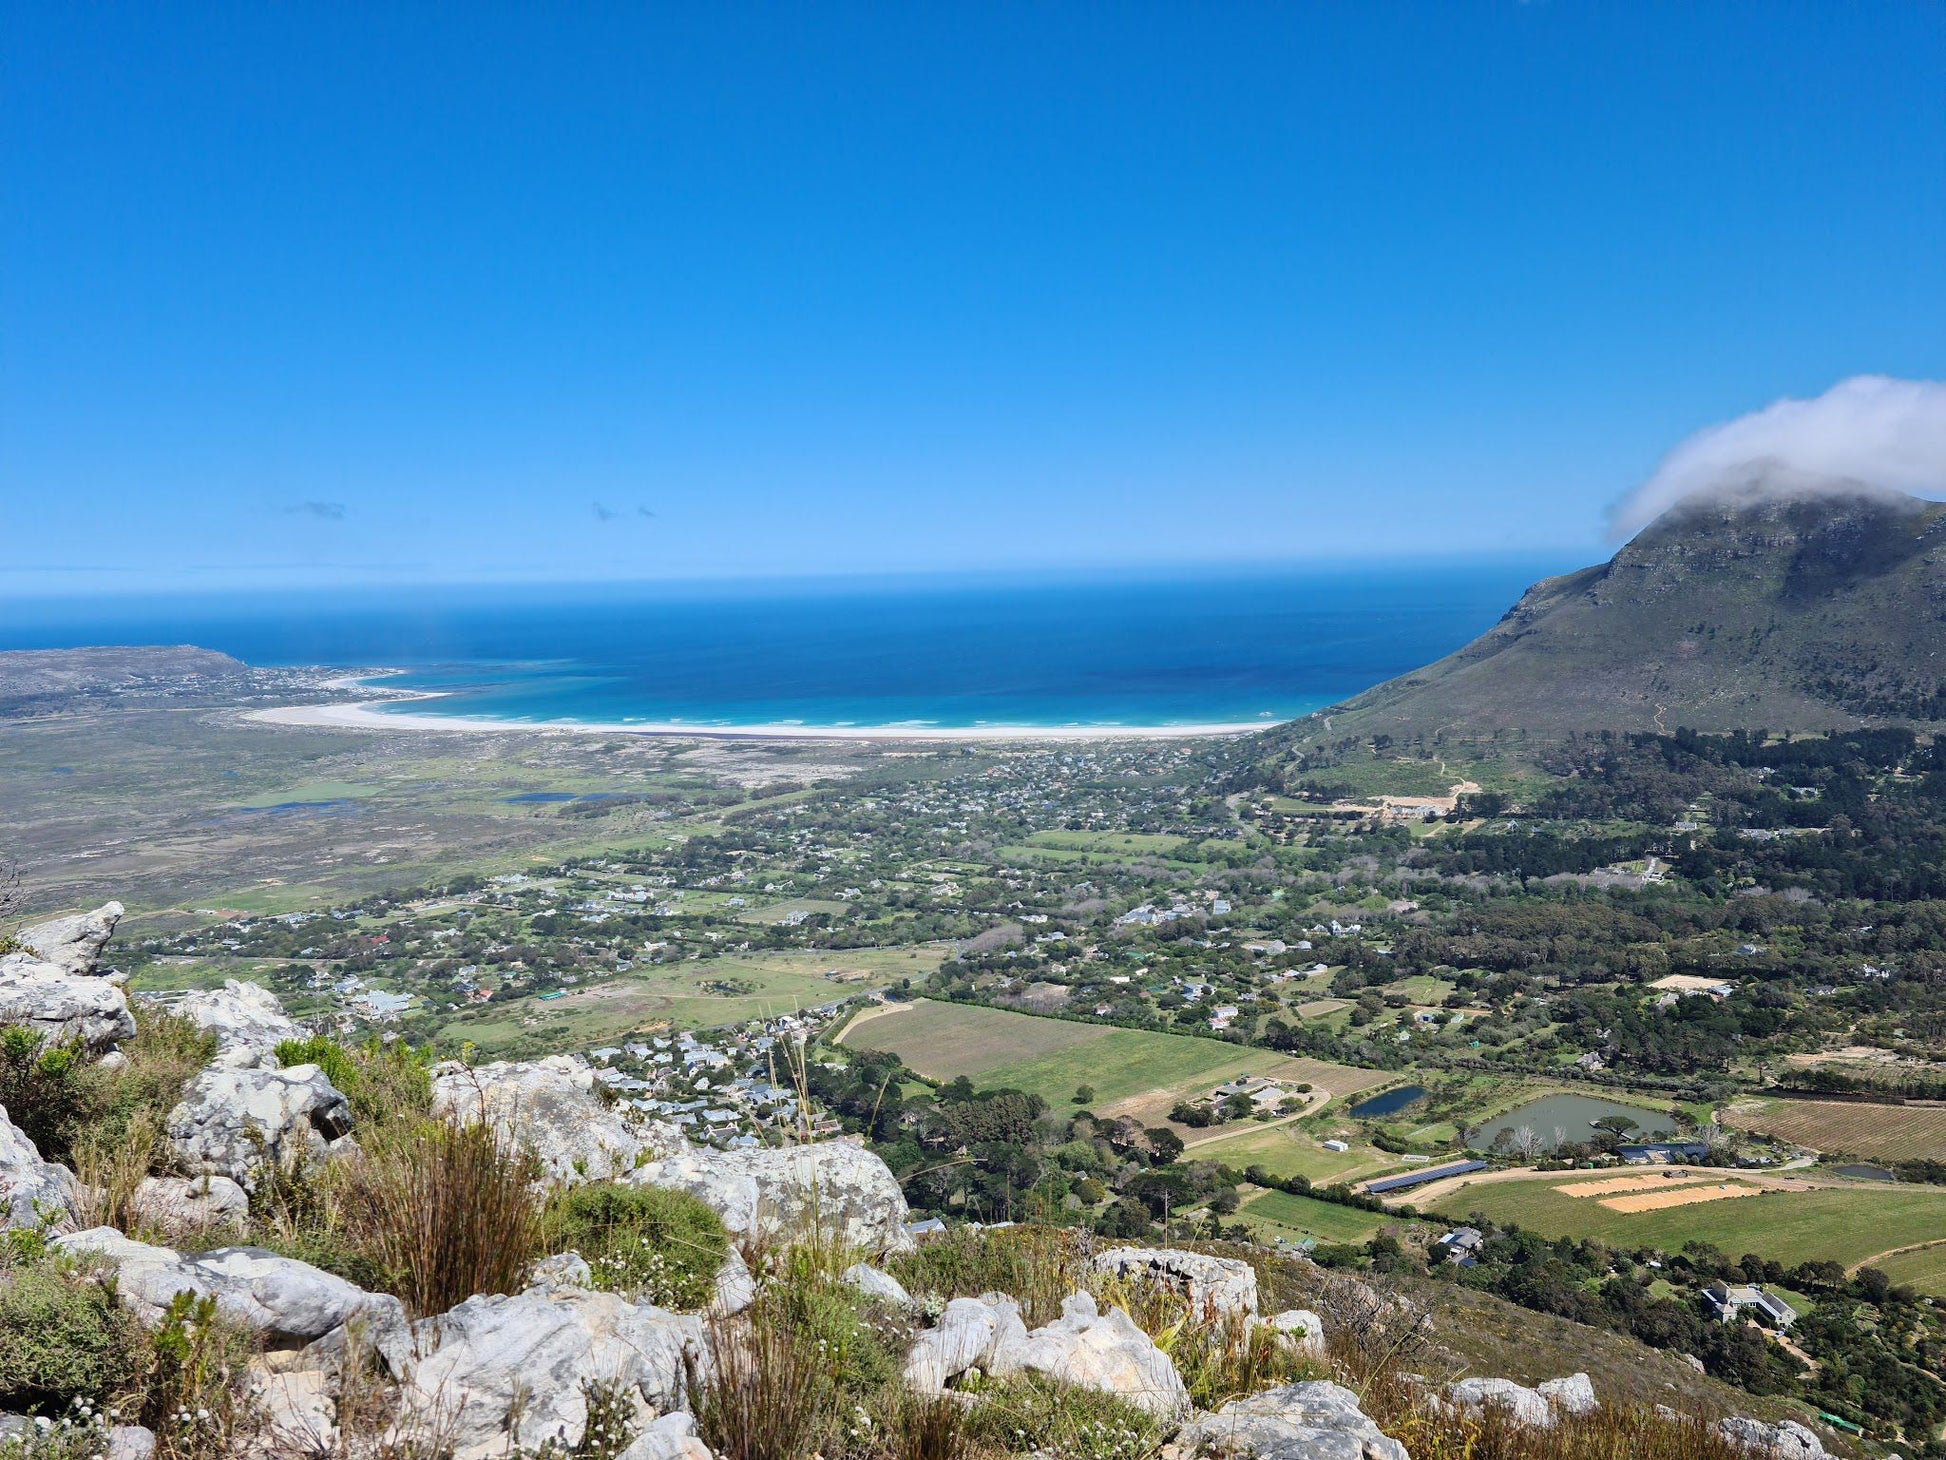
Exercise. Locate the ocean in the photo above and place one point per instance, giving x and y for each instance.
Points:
(1130, 651)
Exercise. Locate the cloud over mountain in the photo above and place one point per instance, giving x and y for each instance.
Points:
(1870, 430)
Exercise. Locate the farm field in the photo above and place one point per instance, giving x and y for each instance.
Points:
(1924, 1269)
(1876, 1132)
(1132, 1071)
(1280, 1214)
(688, 995)
(1841, 1224)
(1286, 1150)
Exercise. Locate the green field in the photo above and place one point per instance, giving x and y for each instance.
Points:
(688, 995)
(1051, 1057)
(1924, 1269)
(1841, 1224)
(1280, 1214)
(1286, 1150)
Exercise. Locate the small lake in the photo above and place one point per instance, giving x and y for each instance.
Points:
(1391, 1102)
(1573, 1117)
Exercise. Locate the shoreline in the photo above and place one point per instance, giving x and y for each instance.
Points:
(365, 715)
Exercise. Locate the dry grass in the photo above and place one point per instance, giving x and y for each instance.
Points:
(1681, 1196)
(1851, 1128)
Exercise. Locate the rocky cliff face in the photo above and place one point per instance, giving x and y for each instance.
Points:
(1790, 609)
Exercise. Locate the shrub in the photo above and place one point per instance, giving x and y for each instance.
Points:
(1029, 1413)
(166, 1053)
(446, 1210)
(62, 1338)
(192, 1384)
(1039, 1266)
(768, 1394)
(111, 1164)
(44, 1087)
(643, 1241)
(384, 1081)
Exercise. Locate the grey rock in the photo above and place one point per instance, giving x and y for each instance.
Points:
(1309, 1421)
(130, 1442)
(735, 1288)
(1524, 1404)
(880, 1287)
(1215, 1286)
(32, 1191)
(1572, 1395)
(296, 1405)
(499, 1369)
(561, 1272)
(983, 1333)
(288, 1303)
(1303, 1328)
(1101, 1351)
(234, 1122)
(73, 944)
(191, 1203)
(247, 1020)
(550, 1105)
(837, 1187)
(1788, 1440)
(672, 1437)
(60, 1005)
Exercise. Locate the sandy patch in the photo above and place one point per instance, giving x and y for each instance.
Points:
(1682, 1196)
(1615, 1185)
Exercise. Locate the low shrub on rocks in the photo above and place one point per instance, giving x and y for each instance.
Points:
(62, 1339)
(645, 1242)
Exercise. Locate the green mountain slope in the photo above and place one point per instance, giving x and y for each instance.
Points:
(1800, 610)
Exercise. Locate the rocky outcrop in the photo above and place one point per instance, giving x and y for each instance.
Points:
(1085, 1347)
(1303, 1328)
(1788, 1440)
(1216, 1287)
(191, 1203)
(499, 1370)
(287, 1303)
(838, 1189)
(1106, 1352)
(62, 1006)
(32, 1191)
(1309, 1421)
(73, 944)
(1537, 1406)
(247, 1020)
(550, 1105)
(234, 1122)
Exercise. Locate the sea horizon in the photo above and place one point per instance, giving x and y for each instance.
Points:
(1141, 651)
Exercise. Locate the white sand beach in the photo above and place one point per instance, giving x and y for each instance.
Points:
(367, 715)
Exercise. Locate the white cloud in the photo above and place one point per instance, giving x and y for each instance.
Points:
(1869, 429)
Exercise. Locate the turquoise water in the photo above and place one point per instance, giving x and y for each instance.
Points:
(1130, 651)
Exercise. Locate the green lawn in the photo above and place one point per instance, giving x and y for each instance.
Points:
(1837, 1224)
(1285, 1150)
(1278, 1213)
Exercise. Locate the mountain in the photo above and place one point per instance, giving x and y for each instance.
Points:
(1784, 604)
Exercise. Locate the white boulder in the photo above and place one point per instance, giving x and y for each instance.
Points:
(191, 1203)
(1308, 1421)
(672, 1437)
(1788, 1440)
(880, 1287)
(1216, 1287)
(234, 1122)
(1303, 1328)
(550, 1105)
(32, 1191)
(60, 1005)
(837, 1188)
(73, 944)
(502, 1371)
(1102, 1351)
(1524, 1404)
(983, 1333)
(290, 1304)
(247, 1020)
(1572, 1395)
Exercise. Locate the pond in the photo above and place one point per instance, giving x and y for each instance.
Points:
(1570, 1118)
(1390, 1103)
(1866, 1172)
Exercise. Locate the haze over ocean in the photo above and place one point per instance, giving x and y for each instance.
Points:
(1135, 650)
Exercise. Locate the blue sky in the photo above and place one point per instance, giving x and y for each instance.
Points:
(315, 294)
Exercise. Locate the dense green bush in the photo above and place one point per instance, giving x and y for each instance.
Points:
(384, 1081)
(62, 1338)
(44, 1087)
(645, 1241)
